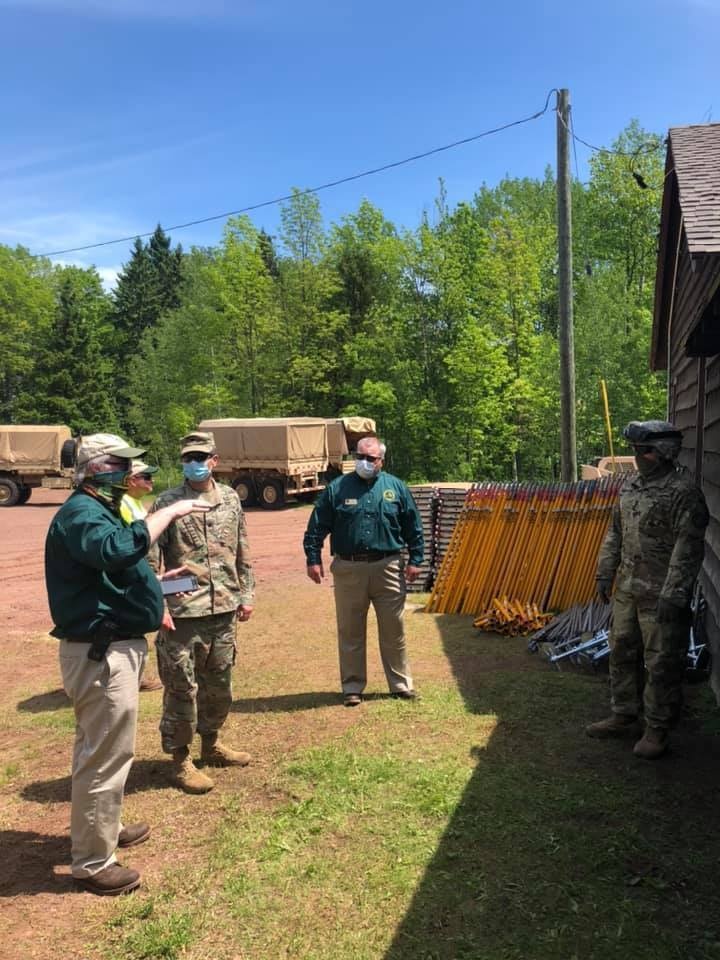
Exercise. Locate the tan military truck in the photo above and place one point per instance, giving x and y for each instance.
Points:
(607, 467)
(268, 460)
(34, 456)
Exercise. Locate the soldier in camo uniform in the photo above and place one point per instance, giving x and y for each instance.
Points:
(654, 551)
(196, 643)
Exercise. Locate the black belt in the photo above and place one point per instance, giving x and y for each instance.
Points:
(100, 643)
(370, 556)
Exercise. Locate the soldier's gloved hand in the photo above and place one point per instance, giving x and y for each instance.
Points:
(668, 612)
(603, 586)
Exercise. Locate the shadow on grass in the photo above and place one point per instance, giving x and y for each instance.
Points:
(562, 846)
(28, 859)
(45, 702)
(144, 775)
(291, 702)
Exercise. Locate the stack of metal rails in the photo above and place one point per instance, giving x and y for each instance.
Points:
(439, 506)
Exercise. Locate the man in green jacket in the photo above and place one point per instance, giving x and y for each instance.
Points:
(103, 598)
(653, 551)
(371, 517)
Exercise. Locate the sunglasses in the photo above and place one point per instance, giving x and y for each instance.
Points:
(366, 456)
(198, 457)
(144, 476)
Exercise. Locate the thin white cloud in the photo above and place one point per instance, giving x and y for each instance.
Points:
(63, 230)
(86, 168)
(108, 275)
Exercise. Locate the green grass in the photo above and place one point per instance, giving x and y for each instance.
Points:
(481, 827)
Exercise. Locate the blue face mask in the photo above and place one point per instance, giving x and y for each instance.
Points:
(196, 472)
(365, 469)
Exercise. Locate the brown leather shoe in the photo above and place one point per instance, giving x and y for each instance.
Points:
(616, 725)
(110, 882)
(149, 684)
(654, 744)
(133, 834)
(404, 694)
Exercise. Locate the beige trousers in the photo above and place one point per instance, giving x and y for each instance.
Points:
(357, 585)
(105, 698)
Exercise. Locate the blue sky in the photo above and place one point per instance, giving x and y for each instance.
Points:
(118, 114)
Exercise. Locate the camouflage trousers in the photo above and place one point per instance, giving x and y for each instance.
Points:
(647, 663)
(195, 663)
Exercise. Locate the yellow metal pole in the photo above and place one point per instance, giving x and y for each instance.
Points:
(606, 408)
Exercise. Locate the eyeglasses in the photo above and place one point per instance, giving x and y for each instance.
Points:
(198, 457)
(366, 456)
(144, 476)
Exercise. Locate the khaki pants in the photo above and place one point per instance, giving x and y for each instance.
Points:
(357, 585)
(105, 698)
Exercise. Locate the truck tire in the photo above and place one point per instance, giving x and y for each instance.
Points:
(25, 494)
(9, 492)
(67, 454)
(272, 495)
(245, 489)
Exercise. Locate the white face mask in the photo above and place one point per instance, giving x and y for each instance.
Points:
(365, 469)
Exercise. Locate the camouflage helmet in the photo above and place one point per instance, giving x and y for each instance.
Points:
(659, 435)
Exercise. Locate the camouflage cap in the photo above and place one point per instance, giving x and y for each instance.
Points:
(197, 443)
(104, 445)
(646, 432)
(139, 466)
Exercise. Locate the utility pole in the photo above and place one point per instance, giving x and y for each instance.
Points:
(568, 451)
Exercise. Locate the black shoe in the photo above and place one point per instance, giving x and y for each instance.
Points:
(352, 700)
(404, 694)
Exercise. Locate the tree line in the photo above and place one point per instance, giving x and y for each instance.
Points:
(445, 334)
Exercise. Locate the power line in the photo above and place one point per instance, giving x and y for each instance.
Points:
(302, 193)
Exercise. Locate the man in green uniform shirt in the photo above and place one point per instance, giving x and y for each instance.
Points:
(103, 599)
(371, 517)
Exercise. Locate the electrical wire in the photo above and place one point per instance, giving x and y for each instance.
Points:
(302, 193)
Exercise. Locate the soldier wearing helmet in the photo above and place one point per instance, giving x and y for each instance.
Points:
(653, 551)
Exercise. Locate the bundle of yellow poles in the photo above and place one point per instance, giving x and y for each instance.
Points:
(536, 543)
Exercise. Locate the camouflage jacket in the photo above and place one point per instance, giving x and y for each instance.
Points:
(213, 546)
(655, 543)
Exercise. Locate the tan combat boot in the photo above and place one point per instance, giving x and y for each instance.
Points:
(654, 743)
(187, 776)
(216, 754)
(616, 725)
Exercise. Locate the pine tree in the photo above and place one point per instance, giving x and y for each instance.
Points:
(71, 381)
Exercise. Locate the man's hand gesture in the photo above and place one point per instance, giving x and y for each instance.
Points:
(316, 572)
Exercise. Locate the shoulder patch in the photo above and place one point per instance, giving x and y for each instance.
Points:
(389, 495)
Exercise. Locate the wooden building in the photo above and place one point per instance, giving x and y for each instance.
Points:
(686, 329)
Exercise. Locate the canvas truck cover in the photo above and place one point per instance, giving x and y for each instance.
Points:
(344, 433)
(31, 446)
(290, 445)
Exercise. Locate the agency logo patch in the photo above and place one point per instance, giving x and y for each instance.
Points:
(388, 494)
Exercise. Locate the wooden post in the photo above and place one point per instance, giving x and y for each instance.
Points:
(568, 451)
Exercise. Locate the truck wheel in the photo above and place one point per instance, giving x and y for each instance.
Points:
(9, 492)
(246, 491)
(67, 454)
(25, 494)
(272, 495)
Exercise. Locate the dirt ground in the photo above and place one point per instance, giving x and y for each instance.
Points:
(34, 759)
(276, 538)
